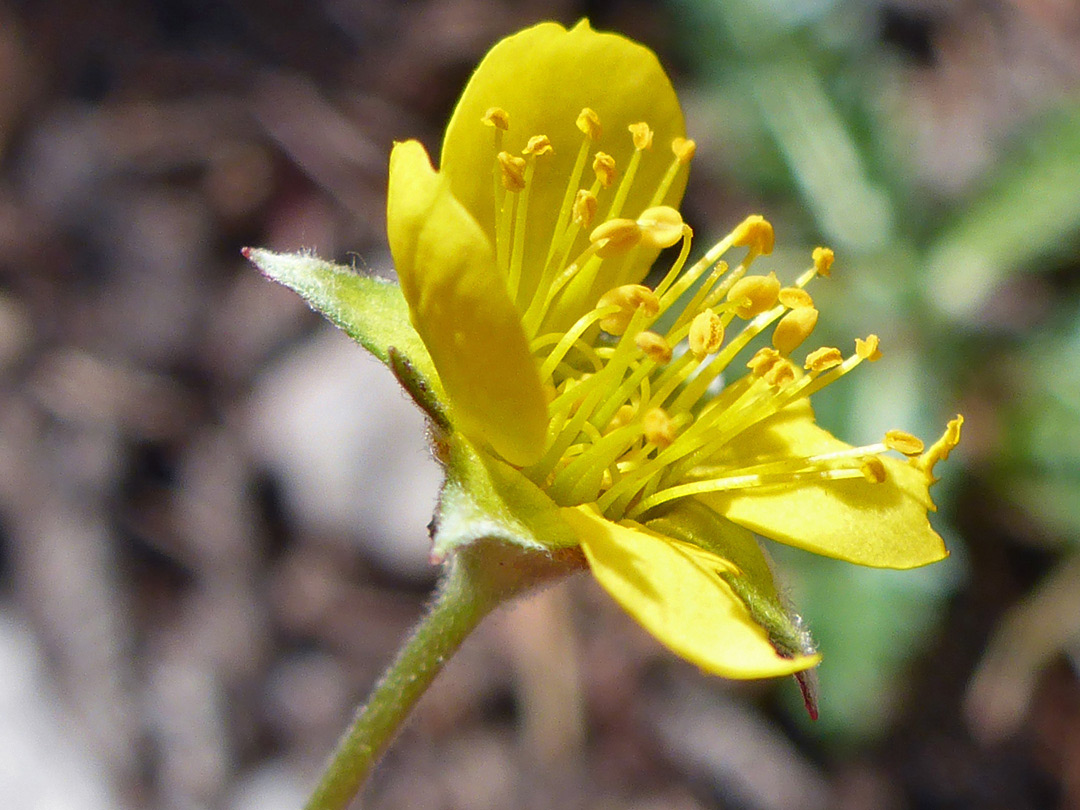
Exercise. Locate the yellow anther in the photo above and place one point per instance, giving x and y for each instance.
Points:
(752, 295)
(512, 171)
(584, 210)
(623, 416)
(824, 358)
(684, 149)
(497, 117)
(792, 297)
(823, 259)
(706, 333)
(794, 328)
(873, 470)
(764, 359)
(604, 166)
(904, 442)
(538, 145)
(939, 450)
(615, 237)
(661, 226)
(782, 373)
(550, 391)
(589, 123)
(755, 232)
(629, 298)
(868, 349)
(642, 134)
(654, 346)
(659, 428)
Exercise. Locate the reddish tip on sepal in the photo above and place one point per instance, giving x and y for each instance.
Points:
(245, 252)
(808, 685)
(437, 557)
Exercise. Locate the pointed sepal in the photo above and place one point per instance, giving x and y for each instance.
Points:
(370, 310)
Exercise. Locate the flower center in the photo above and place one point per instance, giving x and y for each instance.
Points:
(638, 416)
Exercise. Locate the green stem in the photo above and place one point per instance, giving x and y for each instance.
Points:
(478, 579)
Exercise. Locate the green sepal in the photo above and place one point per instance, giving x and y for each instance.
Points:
(485, 498)
(753, 581)
(370, 310)
(419, 389)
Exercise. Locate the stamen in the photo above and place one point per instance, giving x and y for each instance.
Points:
(755, 232)
(811, 384)
(676, 269)
(615, 237)
(754, 294)
(780, 374)
(629, 298)
(661, 226)
(903, 442)
(582, 214)
(794, 297)
(537, 146)
(637, 381)
(752, 229)
(824, 358)
(513, 171)
(794, 328)
(587, 350)
(623, 416)
(571, 336)
(589, 124)
(654, 346)
(642, 135)
(823, 259)
(497, 117)
(586, 263)
(698, 302)
(873, 470)
(658, 427)
(582, 478)
(869, 468)
(706, 334)
(700, 384)
(584, 210)
(604, 167)
(499, 121)
(684, 149)
(868, 349)
(587, 394)
(763, 360)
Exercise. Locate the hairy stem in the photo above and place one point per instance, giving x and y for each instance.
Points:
(478, 579)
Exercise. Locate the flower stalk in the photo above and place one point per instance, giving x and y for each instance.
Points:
(477, 580)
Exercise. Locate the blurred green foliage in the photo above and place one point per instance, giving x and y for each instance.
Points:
(797, 103)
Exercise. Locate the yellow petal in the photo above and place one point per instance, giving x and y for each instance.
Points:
(462, 311)
(673, 590)
(752, 578)
(543, 77)
(883, 525)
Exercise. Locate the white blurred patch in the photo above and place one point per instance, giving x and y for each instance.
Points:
(42, 766)
(349, 448)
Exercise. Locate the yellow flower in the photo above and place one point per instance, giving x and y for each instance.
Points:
(575, 406)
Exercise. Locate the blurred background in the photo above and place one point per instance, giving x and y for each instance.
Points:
(213, 505)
